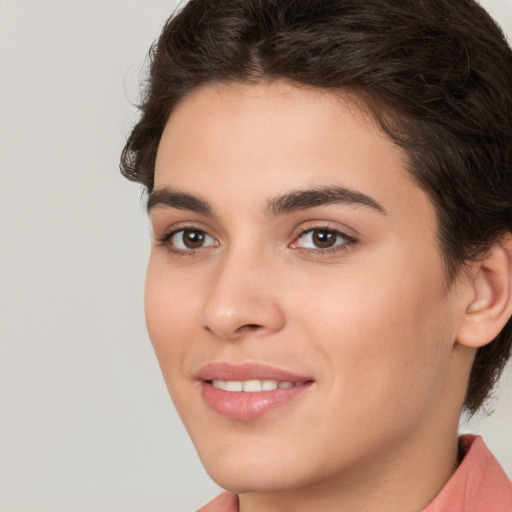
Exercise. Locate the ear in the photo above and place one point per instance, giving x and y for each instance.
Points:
(490, 306)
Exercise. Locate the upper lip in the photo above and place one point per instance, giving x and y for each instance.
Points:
(247, 371)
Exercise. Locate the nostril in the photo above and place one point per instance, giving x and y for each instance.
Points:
(249, 327)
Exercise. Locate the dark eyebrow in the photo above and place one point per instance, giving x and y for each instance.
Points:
(304, 199)
(180, 200)
(288, 203)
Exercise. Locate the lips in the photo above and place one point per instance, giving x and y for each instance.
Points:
(248, 391)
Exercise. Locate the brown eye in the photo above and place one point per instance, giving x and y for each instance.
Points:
(190, 239)
(318, 239)
(324, 238)
(193, 239)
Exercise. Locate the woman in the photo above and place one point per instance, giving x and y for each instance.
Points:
(329, 185)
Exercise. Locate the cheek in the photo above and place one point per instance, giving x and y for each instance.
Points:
(386, 337)
(170, 320)
(168, 306)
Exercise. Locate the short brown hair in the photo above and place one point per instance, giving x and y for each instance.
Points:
(436, 75)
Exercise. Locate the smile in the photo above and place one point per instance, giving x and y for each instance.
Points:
(253, 386)
(247, 392)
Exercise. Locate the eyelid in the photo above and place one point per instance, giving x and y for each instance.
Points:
(168, 229)
(349, 240)
(165, 239)
(346, 242)
(175, 244)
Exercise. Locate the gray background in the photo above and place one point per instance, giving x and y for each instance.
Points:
(86, 423)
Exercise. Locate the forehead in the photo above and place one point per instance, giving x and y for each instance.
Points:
(245, 143)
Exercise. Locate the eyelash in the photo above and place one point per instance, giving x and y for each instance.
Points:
(165, 241)
(347, 242)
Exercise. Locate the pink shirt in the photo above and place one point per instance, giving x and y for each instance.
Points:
(478, 485)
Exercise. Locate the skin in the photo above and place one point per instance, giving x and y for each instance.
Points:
(371, 320)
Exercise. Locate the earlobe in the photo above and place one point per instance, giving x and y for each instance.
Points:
(491, 303)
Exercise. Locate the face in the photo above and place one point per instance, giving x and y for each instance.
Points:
(295, 295)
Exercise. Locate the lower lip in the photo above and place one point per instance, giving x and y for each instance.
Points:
(241, 405)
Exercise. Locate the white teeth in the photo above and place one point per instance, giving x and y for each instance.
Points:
(220, 384)
(234, 385)
(268, 385)
(253, 386)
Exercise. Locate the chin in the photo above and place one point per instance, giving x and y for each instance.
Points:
(262, 467)
(255, 478)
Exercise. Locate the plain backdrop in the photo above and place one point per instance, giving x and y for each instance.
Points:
(85, 420)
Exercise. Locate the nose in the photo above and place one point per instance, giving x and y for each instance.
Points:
(243, 300)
